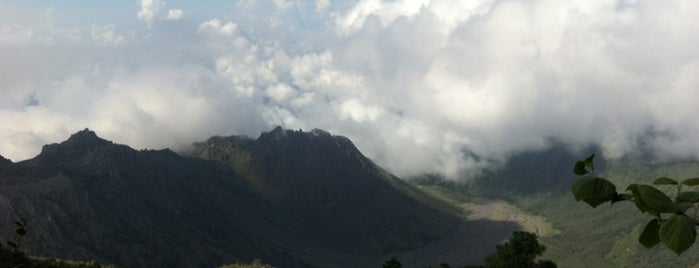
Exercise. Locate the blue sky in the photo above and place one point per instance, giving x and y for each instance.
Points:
(414, 84)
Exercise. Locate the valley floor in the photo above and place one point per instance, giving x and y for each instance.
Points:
(499, 210)
(469, 243)
(486, 223)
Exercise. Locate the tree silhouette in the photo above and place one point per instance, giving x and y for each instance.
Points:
(392, 263)
(520, 251)
(10, 254)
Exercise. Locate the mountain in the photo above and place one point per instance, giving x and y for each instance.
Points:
(4, 162)
(290, 198)
(342, 197)
(87, 198)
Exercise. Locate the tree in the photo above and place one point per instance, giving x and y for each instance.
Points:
(520, 251)
(392, 263)
(256, 263)
(673, 222)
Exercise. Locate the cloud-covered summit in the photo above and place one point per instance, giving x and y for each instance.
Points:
(419, 86)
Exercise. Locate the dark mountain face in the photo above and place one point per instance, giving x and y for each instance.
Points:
(292, 199)
(87, 198)
(343, 198)
(4, 162)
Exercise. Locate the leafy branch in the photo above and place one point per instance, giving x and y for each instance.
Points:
(19, 233)
(672, 224)
(11, 255)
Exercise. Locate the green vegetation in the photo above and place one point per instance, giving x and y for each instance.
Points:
(42, 262)
(583, 237)
(520, 251)
(392, 263)
(254, 264)
(606, 237)
(673, 223)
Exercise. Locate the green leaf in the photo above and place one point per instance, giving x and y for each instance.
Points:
(684, 206)
(593, 190)
(19, 224)
(665, 181)
(633, 188)
(691, 181)
(688, 196)
(590, 162)
(12, 244)
(649, 199)
(21, 231)
(579, 168)
(678, 233)
(649, 237)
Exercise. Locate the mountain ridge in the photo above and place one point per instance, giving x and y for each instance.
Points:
(325, 204)
(312, 158)
(97, 191)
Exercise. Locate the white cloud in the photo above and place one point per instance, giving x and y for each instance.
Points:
(358, 111)
(107, 35)
(15, 33)
(280, 92)
(387, 12)
(174, 14)
(321, 5)
(414, 84)
(283, 4)
(218, 27)
(149, 11)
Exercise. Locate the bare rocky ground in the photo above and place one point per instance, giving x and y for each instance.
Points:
(486, 224)
(498, 210)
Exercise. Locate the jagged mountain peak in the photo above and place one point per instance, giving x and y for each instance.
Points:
(279, 133)
(315, 137)
(319, 132)
(86, 138)
(298, 191)
(77, 144)
(315, 146)
(326, 181)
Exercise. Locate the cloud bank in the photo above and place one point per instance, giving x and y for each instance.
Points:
(419, 86)
(149, 11)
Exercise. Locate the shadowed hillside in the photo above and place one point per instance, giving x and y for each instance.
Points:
(87, 198)
(290, 198)
(527, 172)
(342, 197)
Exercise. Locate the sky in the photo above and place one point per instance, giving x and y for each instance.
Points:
(420, 86)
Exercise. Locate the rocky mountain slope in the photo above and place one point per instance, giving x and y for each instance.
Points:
(293, 199)
(343, 198)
